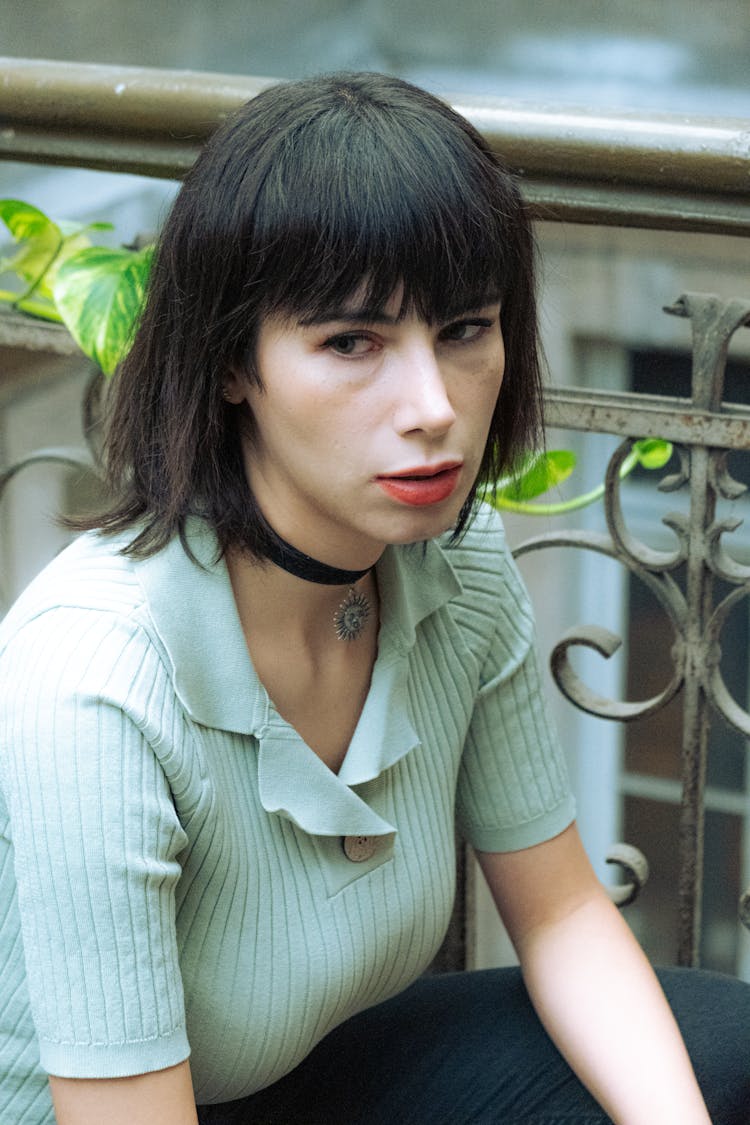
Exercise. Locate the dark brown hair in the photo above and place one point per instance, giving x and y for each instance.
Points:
(309, 192)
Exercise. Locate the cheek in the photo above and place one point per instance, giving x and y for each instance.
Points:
(281, 410)
(499, 366)
(496, 374)
(481, 390)
(313, 429)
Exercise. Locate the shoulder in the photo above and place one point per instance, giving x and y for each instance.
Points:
(482, 544)
(484, 565)
(145, 634)
(79, 627)
(84, 676)
(90, 574)
(492, 612)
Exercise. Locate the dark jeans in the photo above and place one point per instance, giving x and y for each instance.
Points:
(468, 1049)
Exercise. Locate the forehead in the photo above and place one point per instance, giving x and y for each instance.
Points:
(359, 308)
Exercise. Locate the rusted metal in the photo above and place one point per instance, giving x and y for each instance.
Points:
(745, 908)
(19, 331)
(617, 147)
(699, 550)
(614, 169)
(70, 457)
(140, 101)
(635, 867)
(635, 207)
(674, 419)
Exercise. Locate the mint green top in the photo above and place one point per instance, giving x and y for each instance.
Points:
(172, 878)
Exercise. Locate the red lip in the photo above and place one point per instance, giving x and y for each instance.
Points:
(423, 470)
(422, 485)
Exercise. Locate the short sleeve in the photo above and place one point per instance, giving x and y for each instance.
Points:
(513, 789)
(96, 841)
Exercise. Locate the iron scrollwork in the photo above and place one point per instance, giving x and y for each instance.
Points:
(688, 600)
(85, 458)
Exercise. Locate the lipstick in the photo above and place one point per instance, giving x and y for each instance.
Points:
(423, 485)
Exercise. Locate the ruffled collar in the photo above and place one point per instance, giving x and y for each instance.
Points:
(193, 611)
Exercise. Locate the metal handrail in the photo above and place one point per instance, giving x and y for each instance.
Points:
(610, 168)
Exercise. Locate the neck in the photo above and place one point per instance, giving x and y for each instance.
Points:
(288, 558)
(314, 599)
(270, 601)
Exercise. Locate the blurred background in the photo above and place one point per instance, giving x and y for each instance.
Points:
(672, 54)
(603, 290)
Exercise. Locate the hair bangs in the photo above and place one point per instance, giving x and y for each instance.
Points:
(354, 213)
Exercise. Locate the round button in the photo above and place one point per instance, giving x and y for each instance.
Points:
(359, 848)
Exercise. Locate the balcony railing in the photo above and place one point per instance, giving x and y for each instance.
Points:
(610, 169)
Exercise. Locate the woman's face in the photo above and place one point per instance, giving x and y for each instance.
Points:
(368, 429)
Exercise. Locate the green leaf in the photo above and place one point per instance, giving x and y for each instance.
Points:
(652, 453)
(24, 221)
(45, 245)
(40, 239)
(537, 475)
(100, 293)
(69, 228)
(71, 245)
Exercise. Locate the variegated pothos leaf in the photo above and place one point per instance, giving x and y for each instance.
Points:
(43, 244)
(100, 294)
(536, 475)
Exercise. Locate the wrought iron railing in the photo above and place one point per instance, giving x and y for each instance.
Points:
(617, 170)
(704, 430)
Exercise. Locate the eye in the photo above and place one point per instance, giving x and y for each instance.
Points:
(465, 331)
(349, 344)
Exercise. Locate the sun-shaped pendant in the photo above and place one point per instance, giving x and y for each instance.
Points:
(351, 616)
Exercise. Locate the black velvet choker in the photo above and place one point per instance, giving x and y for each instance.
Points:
(294, 562)
(350, 618)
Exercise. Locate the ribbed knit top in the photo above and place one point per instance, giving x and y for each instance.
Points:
(172, 877)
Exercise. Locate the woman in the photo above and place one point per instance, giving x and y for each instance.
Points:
(239, 717)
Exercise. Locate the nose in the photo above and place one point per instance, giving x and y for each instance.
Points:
(422, 401)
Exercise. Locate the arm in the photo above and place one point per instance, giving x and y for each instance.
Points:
(165, 1096)
(98, 842)
(591, 984)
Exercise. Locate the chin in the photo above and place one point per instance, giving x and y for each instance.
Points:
(428, 527)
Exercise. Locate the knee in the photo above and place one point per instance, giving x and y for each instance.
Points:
(713, 1012)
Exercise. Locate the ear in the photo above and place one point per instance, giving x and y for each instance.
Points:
(234, 387)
